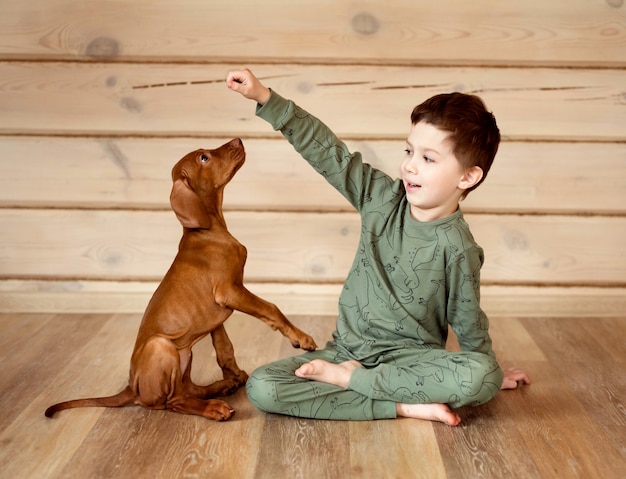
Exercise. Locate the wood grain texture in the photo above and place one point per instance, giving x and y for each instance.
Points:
(454, 31)
(374, 456)
(98, 296)
(306, 448)
(97, 102)
(133, 99)
(70, 374)
(123, 173)
(482, 446)
(312, 247)
(554, 443)
(569, 422)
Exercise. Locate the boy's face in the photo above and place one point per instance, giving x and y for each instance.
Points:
(433, 178)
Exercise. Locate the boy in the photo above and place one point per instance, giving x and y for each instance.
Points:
(416, 270)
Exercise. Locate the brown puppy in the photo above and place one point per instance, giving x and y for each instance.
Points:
(198, 293)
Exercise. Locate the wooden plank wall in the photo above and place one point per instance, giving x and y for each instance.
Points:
(99, 99)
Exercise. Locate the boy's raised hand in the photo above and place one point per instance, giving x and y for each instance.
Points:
(243, 81)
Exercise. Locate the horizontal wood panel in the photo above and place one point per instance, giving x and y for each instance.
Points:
(135, 173)
(533, 31)
(356, 101)
(300, 247)
(85, 296)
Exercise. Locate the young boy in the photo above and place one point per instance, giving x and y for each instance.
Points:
(416, 270)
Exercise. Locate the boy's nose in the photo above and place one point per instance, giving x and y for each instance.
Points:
(411, 167)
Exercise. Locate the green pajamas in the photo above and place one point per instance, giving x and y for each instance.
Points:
(426, 376)
(408, 282)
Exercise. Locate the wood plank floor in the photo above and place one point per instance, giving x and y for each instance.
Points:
(571, 422)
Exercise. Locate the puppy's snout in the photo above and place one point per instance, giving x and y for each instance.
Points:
(236, 143)
(235, 149)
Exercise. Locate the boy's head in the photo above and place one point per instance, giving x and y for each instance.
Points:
(472, 129)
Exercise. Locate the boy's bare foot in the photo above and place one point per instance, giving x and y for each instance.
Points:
(323, 371)
(431, 412)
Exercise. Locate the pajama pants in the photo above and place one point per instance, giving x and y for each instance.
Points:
(402, 376)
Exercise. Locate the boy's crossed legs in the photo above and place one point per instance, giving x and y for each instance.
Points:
(413, 383)
(340, 374)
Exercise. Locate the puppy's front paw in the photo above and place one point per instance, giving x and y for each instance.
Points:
(306, 342)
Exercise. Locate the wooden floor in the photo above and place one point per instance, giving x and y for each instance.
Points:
(571, 422)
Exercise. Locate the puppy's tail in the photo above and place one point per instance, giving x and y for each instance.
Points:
(123, 398)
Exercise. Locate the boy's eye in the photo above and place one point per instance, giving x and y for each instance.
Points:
(408, 152)
(428, 160)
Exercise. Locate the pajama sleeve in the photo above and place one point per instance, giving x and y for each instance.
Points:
(326, 153)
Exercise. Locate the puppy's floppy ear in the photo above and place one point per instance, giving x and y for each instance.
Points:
(187, 205)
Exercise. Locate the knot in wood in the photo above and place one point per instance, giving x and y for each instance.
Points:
(365, 24)
(103, 48)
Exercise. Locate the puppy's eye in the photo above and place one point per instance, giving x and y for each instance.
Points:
(204, 158)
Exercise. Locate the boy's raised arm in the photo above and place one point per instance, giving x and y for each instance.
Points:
(243, 81)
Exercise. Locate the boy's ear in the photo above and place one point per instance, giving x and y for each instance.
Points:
(472, 176)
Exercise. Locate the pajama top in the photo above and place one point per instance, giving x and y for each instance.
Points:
(409, 279)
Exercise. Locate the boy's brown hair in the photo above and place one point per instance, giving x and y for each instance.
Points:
(473, 130)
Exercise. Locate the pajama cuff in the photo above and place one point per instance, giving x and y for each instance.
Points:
(360, 383)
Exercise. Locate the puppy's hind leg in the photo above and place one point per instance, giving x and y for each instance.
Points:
(158, 379)
(208, 408)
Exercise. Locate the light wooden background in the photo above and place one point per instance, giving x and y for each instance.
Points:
(99, 99)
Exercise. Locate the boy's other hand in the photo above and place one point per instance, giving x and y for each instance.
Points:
(514, 377)
(243, 81)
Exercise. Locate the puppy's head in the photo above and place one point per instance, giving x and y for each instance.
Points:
(199, 179)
